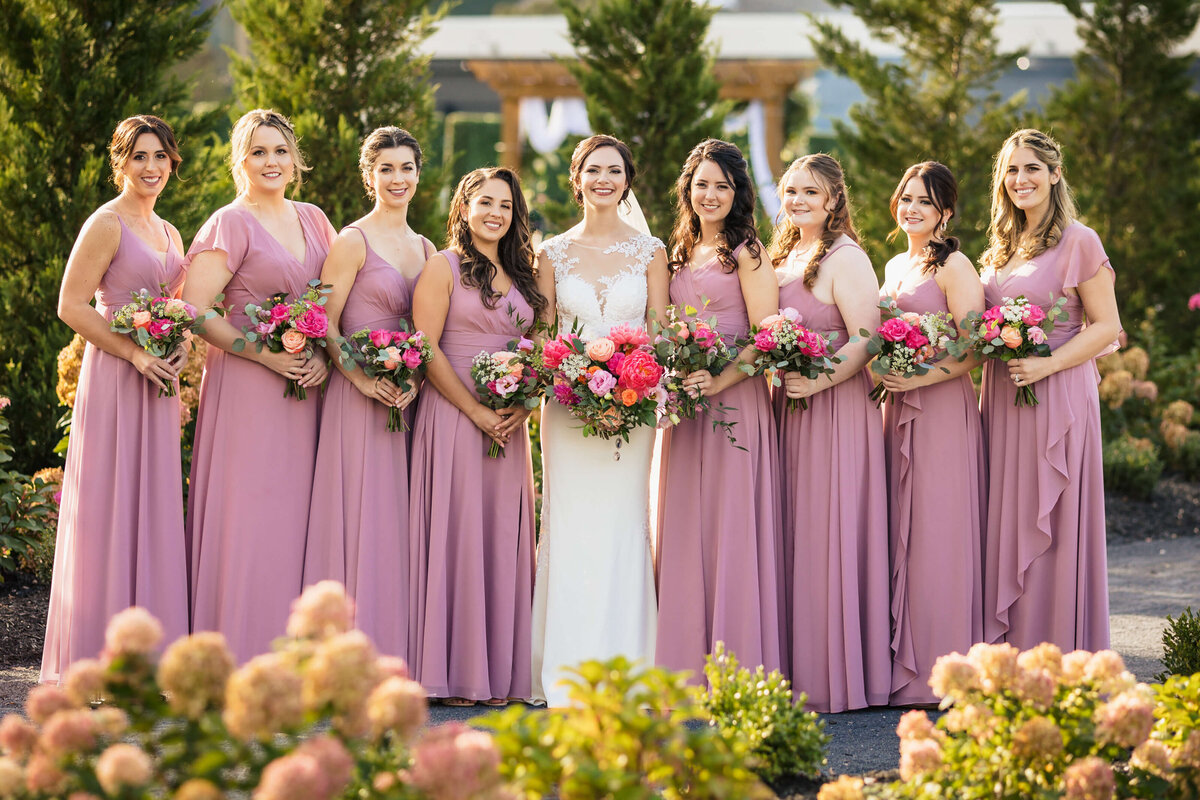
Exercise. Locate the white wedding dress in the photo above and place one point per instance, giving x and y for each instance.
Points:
(594, 594)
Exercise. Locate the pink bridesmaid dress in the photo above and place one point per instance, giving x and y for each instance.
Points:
(720, 540)
(406, 301)
(471, 525)
(835, 531)
(254, 453)
(120, 526)
(936, 486)
(358, 521)
(1045, 570)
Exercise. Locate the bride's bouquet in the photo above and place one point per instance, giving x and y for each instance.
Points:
(508, 378)
(612, 383)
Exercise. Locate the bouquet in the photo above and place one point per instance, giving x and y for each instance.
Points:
(1014, 329)
(160, 324)
(508, 378)
(613, 383)
(293, 327)
(783, 344)
(689, 345)
(907, 343)
(398, 356)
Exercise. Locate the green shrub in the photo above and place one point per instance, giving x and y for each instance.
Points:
(28, 516)
(1181, 645)
(783, 738)
(1177, 728)
(626, 735)
(1132, 466)
(1183, 455)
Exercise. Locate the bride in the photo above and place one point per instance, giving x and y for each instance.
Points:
(594, 590)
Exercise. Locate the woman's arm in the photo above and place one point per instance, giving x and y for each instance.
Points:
(760, 292)
(658, 288)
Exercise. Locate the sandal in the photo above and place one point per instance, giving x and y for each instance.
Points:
(457, 702)
(495, 702)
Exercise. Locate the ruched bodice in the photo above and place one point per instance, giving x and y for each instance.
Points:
(380, 297)
(722, 291)
(135, 266)
(472, 327)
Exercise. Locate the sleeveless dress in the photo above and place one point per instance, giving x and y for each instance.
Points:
(835, 530)
(471, 524)
(594, 594)
(358, 520)
(255, 450)
(936, 486)
(120, 525)
(720, 541)
(1045, 565)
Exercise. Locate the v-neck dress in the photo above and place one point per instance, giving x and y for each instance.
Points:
(255, 450)
(120, 524)
(720, 540)
(1045, 565)
(358, 521)
(471, 524)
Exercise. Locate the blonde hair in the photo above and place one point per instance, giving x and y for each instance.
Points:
(1007, 236)
(828, 174)
(243, 132)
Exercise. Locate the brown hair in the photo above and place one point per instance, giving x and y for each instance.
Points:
(828, 174)
(243, 132)
(591, 145)
(1007, 228)
(516, 248)
(738, 225)
(942, 189)
(125, 137)
(382, 139)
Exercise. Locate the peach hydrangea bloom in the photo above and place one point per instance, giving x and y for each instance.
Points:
(67, 732)
(293, 777)
(17, 737)
(84, 681)
(1074, 667)
(198, 789)
(322, 610)
(976, 720)
(333, 758)
(12, 777)
(919, 756)
(45, 701)
(1188, 755)
(1089, 778)
(1038, 740)
(193, 673)
(397, 705)
(123, 765)
(844, 788)
(1107, 670)
(1036, 687)
(341, 673)
(997, 665)
(392, 667)
(953, 676)
(1126, 719)
(454, 761)
(916, 724)
(110, 721)
(1180, 411)
(263, 697)
(1152, 756)
(133, 631)
(43, 775)
(1046, 656)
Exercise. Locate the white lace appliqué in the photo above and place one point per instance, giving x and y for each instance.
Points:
(621, 297)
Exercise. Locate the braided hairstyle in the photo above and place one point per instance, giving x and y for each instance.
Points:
(827, 172)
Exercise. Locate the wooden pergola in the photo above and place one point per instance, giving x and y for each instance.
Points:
(769, 81)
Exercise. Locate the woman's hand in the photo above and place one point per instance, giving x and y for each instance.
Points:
(698, 383)
(409, 397)
(314, 371)
(798, 387)
(153, 368)
(898, 383)
(489, 422)
(378, 388)
(514, 418)
(179, 356)
(289, 365)
(1024, 371)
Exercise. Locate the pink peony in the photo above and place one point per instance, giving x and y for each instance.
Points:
(565, 395)
(1089, 778)
(313, 322)
(639, 371)
(628, 334)
(1033, 315)
(915, 339)
(380, 338)
(160, 328)
(132, 631)
(1194, 302)
(601, 349)
(601, 382)
(280, 313)
(553, 353)
(894, 330)
(764, 340)
(412, 358)
(123, 765)
(1036, 334)
(322, 610)
(141, 319)
(994, 314)
(812, 343)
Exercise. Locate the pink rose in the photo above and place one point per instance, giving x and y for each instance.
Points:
(1034, 315)
(894, 330)
(525, 345)
(991, 330)
(764, 340)
(614, 363)
(791, 315)
(705, 336)
(553, 353)
(601, 349)
(639, 371)
(601, 382)
(1036, 335)
(380, 338)
(141, 319)
(412, 358)
(1011, 335)
(1194, 302)
(915, 339)
(399, 337)
(160, 328)
(313, 322)
(294, 341)
(280, 313)
(994, 314)
(813, 344)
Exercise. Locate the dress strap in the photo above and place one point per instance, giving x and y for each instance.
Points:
(427, 248)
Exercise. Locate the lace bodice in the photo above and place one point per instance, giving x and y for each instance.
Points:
(597, 288)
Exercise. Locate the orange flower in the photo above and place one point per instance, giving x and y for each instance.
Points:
(1011, 336)
(629, 397)
(293, 340)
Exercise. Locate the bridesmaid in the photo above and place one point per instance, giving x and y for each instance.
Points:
(358, 523)
(471, 518)
(1045, 574)
(253, 458)
(934, 449)
(720, 552)
(834, 495)
(120, 525)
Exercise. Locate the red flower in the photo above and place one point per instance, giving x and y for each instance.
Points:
(895, 330)
(639, 371)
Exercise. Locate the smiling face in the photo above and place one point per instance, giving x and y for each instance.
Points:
(489, 212)
(916, 212)
(148, 167)
(602, 179)
(805, 200)
(269, 164)
(394, 177)
(712, 193)
(1027, 181)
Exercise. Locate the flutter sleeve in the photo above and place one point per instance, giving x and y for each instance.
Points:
(225, 231)
(1082, 260)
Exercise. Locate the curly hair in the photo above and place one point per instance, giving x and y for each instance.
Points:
(942, 189)
(828, 174)
(516, 247)
(737, 227)
(1007, 236)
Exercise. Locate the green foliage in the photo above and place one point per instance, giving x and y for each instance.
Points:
(647, 78)
(69, 72)
(1132, 466)
(338, 71)
(1128, 122)
(626, 735)
(1177, 725)
(783, 738)
(937, 102)
(28, 517)
(1181, 645)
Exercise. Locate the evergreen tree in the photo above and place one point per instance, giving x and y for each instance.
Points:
(339, 70)
(69, 72)
(938, 102)
(1128, 124)
(647, 78)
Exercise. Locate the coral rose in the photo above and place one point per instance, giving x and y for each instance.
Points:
(293, 341)
(639, 371)
(1011, 336)
(141, 319)
(601, 349)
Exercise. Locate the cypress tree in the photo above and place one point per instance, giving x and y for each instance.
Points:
(647, 78)
(1128, 124)
(938, 102)
(69, 72)
(339, 70)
